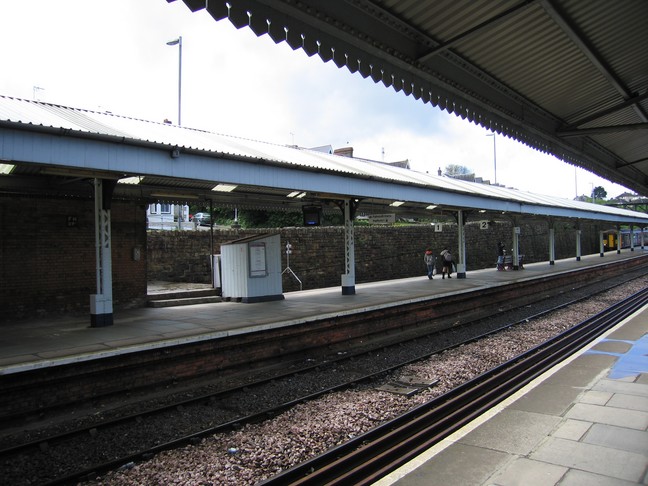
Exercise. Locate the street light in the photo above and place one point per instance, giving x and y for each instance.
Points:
(178, 42)
(494, 155)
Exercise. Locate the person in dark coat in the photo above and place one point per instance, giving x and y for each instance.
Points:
(500, 256)
(447, 263)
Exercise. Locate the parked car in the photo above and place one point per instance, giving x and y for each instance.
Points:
(202, 219)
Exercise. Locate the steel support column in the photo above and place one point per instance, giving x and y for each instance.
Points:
(552, 245)
(618, 239)
(461, 245)
(101, 303)
(578, 245)
(348, 279)
(516, 246)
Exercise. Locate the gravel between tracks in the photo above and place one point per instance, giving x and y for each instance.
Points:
(256, 452)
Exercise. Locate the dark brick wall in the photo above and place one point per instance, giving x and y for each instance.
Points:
(47, 265)
(47, 256)
(382, 253)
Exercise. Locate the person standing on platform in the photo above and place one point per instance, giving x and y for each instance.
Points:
(447, 263)
(500, 256)
(430, 262)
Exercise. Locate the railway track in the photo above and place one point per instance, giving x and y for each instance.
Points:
(370, 456)
(88, 440)
(54, 391)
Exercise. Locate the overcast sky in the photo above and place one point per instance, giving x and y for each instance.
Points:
(112, 56)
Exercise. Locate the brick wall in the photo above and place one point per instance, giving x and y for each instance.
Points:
(47, 253)
(47, 256)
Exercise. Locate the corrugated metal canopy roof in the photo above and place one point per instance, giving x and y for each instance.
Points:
(566, 77)
(45, 140)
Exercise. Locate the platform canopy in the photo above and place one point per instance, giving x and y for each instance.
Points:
(55, 151)
(566, 77)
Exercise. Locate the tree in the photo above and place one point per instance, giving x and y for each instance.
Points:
(454, 170)
(599, 193)
(460, 172)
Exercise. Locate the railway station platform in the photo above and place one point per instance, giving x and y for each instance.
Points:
(582, 423)
(41, 343)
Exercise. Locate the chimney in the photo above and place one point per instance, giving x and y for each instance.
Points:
(344, 152)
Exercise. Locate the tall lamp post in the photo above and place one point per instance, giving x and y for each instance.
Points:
(178, 42)
(494, 155)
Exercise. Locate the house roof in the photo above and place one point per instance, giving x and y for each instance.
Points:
(54, 149)
(567, 77)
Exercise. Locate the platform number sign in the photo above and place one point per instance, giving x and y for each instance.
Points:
(483, 225)
(438, 228)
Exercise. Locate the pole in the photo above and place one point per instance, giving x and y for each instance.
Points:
(178, 41)
(179, 81)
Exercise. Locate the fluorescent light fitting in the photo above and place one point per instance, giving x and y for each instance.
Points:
(130, 180)
(482, 210)
(432, 206)
(6, 169)
(224, 187)
(293, 194)
(397, 203)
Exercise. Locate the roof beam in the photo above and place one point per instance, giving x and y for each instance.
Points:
(632, 101)
(478, 28)
(560, 18)
(634, 162)
(582, 132)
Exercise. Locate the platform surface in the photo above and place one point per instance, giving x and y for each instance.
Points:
(31, 344)
(584, 423)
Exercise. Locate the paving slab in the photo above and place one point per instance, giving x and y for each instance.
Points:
(594, 397)
(525, 472)
(630, 402)
(548, 398)
(575, 477)
(572, 429)
(617, 386)
(620, 438)
(632, 419)
(461, 465)
(512, 431)
(596, 459)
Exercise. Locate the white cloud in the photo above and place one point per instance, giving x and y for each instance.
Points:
(112, 55)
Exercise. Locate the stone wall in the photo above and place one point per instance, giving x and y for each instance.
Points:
(382, 252)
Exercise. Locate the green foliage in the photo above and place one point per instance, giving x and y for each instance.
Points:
(254, 218)
(599, 193)
(257, 218)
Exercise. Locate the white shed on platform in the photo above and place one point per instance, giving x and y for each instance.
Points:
(251, 269)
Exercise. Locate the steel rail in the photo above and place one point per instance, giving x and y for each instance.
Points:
(370, 456)
(330, 361)
(91, 472)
